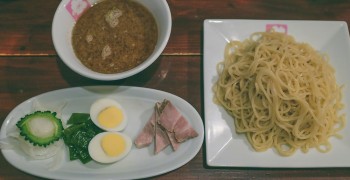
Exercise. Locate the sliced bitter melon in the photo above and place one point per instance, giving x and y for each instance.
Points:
(41, 128)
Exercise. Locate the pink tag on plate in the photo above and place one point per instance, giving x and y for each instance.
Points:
(77, 7)
(283, 28)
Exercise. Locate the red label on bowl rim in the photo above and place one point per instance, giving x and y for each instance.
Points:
(283, 28)
(77, 7)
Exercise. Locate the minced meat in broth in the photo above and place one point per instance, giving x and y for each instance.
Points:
(114, 36)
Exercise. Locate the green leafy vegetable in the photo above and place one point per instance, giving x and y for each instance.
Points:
(40, 128)
(78, 118)
(78, 136)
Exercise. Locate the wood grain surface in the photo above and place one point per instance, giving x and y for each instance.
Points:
(29, 66)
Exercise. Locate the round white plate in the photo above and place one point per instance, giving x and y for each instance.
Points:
(139, 104)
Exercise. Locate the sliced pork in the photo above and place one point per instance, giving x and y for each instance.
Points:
(167, 126)
(174, 144)
(161, 137)
(161, 140)
(169, 117)
(146, 136)
(173, 121)
(183, 130)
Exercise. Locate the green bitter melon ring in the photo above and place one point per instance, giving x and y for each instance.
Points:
(41, 128)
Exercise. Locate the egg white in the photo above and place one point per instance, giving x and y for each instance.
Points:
(101, 104)
(97, 153)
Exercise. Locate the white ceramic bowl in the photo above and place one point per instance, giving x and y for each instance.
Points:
(64, 21)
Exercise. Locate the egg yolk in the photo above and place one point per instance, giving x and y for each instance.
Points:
(110, 117)
(113, 144)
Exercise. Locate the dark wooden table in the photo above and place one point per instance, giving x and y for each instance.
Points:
(29, 66)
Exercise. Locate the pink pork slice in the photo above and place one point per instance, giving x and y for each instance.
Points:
(146, 136)
(161, 140)
(183, 130)
(174, 144)
(161, 137)
(169, 117)
(171, 128)
(174, 122)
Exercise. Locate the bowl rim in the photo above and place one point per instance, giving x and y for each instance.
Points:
(122, 75)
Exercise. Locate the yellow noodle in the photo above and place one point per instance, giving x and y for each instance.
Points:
(282, 94)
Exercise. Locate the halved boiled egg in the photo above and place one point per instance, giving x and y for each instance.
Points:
(109, 147)
(108, 115)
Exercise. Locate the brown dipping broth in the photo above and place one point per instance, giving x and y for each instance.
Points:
(114, 36)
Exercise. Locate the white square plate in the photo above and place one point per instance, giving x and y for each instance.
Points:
(226, 148)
